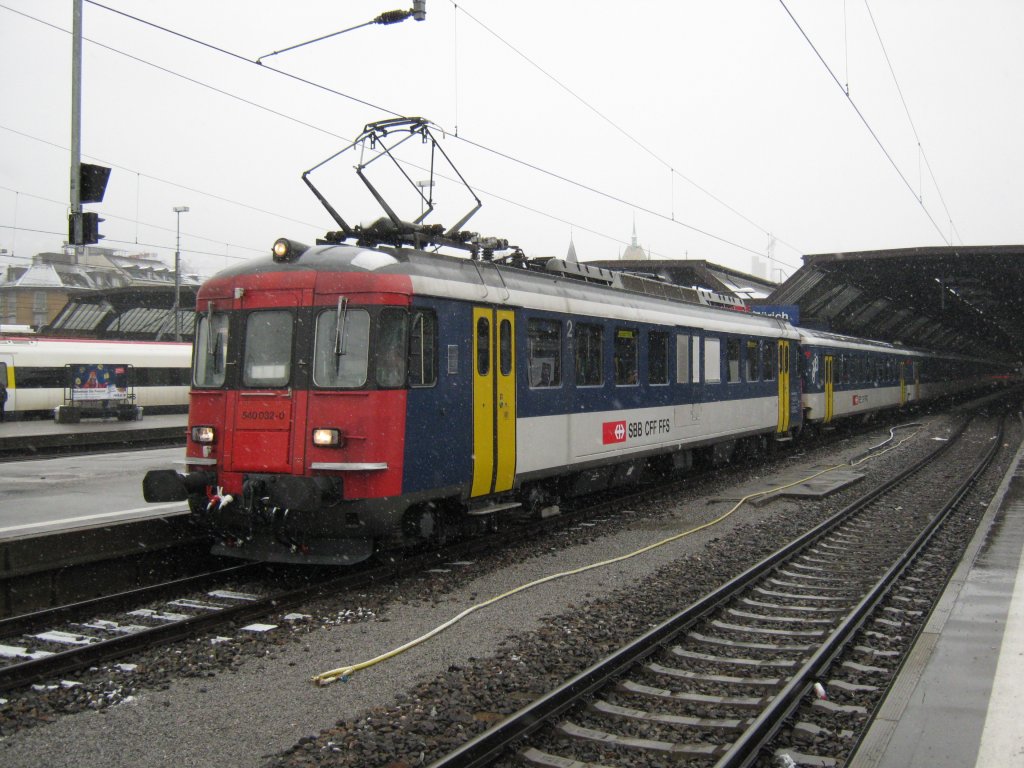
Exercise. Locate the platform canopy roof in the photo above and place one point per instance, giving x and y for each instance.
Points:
(967, 299)
(139, 313)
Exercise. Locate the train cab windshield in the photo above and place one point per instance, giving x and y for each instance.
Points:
(353, 348)
(267, 355)
(210, 351)
(341, 361)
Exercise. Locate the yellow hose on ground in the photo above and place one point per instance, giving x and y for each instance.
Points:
(343, 673)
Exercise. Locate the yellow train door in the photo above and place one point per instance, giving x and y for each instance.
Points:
(783, 364)
(903, 383)
(829, 390)
(494, 401)
(7, 379)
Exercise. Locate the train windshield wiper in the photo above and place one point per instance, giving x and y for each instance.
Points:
(339, 324)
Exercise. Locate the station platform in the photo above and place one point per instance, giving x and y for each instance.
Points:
(958, 699)
(29, 438)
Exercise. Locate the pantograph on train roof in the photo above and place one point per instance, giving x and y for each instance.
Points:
(379, 141)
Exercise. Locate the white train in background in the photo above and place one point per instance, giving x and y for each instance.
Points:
(42, 374)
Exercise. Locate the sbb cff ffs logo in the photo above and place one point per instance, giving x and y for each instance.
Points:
(614, 432)
(621, 431)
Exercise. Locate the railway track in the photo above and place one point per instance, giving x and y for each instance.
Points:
(60, 639)
(54, 641)
(759, 662)
(206, 612)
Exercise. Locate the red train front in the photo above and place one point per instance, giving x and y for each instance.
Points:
(297, 408)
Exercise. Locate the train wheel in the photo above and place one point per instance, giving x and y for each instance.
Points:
(424, 523)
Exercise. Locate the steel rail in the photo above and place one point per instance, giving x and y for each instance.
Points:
(25, 622)
(488, 746)
(25, 672)
(746, 749)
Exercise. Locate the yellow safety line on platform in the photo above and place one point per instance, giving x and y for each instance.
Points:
(343, 673)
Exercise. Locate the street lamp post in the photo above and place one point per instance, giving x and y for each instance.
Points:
(178, 209)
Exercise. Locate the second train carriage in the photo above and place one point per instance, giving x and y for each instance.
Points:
(843, 377)
(35, 371)
(345, 397)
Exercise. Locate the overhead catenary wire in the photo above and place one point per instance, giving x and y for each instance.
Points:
(673, 172)
(333, 91)
(615, 198)
(906, 109)
(867, 125)
(345, 672)
(388, 17)
(136, 220)
(506, 156)
(186, 188)
(481, 190)
(193, 251)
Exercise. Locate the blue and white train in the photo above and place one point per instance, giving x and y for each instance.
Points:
(844, 377)
(349, 398)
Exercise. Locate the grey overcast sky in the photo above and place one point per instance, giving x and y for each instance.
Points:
(715, 126)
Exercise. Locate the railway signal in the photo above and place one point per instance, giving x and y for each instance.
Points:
(84, 228)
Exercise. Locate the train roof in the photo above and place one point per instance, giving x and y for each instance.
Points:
(56, 352)
(540, 284)
(810, 337)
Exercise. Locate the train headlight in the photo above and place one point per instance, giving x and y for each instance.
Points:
(203, 435)
(288, 250)
(328, 438)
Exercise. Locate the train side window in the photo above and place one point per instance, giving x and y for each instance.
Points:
(391, 348)
(423, 349)
(345, 367)
(657, 357)
(505, 347)
(732, 349)
(753, 365)
(712, 361)
(626, 356)
(210, 350)
(544, 352)
(40, 378)
(483, 346)
(589, 355)
(769, 354)
(683, 358)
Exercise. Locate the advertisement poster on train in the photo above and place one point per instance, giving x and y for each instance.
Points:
(99, 381)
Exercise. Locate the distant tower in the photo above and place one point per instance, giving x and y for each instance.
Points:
(633, 251)
(759, 267)
(570, 257)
